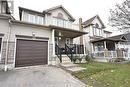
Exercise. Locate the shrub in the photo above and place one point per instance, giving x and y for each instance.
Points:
(75, 58)
(119, 60)
(80, 59)
(88, 58)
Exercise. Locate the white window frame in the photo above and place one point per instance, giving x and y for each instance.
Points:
(3, 7)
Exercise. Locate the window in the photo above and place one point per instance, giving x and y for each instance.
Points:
(0, 48)
(96, 25)
(67, 40)
(60, 15)
(40, 20)
(32, 18)
(99, 47)
(3, 7)
(94, 31)
(97, 31)
(61, 23)
(25, 16)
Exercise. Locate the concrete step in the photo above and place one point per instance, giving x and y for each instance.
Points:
(75, 69)
(71, 67)
(65, 59)
(68, 65)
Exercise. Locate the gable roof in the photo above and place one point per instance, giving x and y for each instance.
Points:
(117, 38)
(89, 21)
(59, 6)
(30, 10)
(106, 31)
(126, 36)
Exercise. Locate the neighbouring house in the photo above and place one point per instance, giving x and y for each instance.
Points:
(125, 46)
(38, 38)
(99, 41)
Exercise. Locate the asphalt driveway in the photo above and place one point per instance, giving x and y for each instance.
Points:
(40, 76)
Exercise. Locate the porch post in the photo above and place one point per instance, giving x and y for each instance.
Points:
(115, 46)
(105, 45)
(84, 45)
(105, 50)
(92, 47)
(53, 42)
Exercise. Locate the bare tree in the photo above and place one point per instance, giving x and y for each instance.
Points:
(120, 16)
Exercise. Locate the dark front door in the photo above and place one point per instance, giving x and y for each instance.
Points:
(30, 53)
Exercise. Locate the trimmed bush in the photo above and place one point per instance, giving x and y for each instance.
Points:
(88, 58)
(119, 60)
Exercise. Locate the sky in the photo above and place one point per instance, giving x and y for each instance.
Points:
(77, 8)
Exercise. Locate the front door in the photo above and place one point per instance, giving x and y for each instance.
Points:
(67, 41)
(56, 40)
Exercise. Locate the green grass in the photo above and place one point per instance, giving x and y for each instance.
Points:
(105, 74)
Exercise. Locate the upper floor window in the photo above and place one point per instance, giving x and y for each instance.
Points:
(3, 7)
(106, 35)
(32, 18)
(61, 23)
(6, 7)
(97, 31)
(60, 15)
(96, 25)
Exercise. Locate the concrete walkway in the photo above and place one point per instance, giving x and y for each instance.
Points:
(40, 76)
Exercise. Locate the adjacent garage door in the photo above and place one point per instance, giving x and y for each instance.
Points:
(30, 53)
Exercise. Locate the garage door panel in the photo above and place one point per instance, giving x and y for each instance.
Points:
(31, 56)
(31, 52)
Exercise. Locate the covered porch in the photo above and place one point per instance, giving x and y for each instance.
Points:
(108, 49)
(62, 39)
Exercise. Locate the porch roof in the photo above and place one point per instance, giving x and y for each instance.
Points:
(108, 39)
(67, 32)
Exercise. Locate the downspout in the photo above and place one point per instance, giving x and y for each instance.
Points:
(7, 46)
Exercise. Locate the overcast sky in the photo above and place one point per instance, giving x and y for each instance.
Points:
(77, 8)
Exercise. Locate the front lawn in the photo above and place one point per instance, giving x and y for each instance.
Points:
(105, 74)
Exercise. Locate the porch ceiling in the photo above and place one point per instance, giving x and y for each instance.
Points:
(66, 32)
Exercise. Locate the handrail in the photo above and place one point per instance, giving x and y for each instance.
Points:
(58, 52)
(77, 48)
(72, 47)
(69, 52)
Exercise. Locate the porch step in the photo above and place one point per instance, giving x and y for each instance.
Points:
(101, 59)
(66, 59)
(69, 66)
(76, 69)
